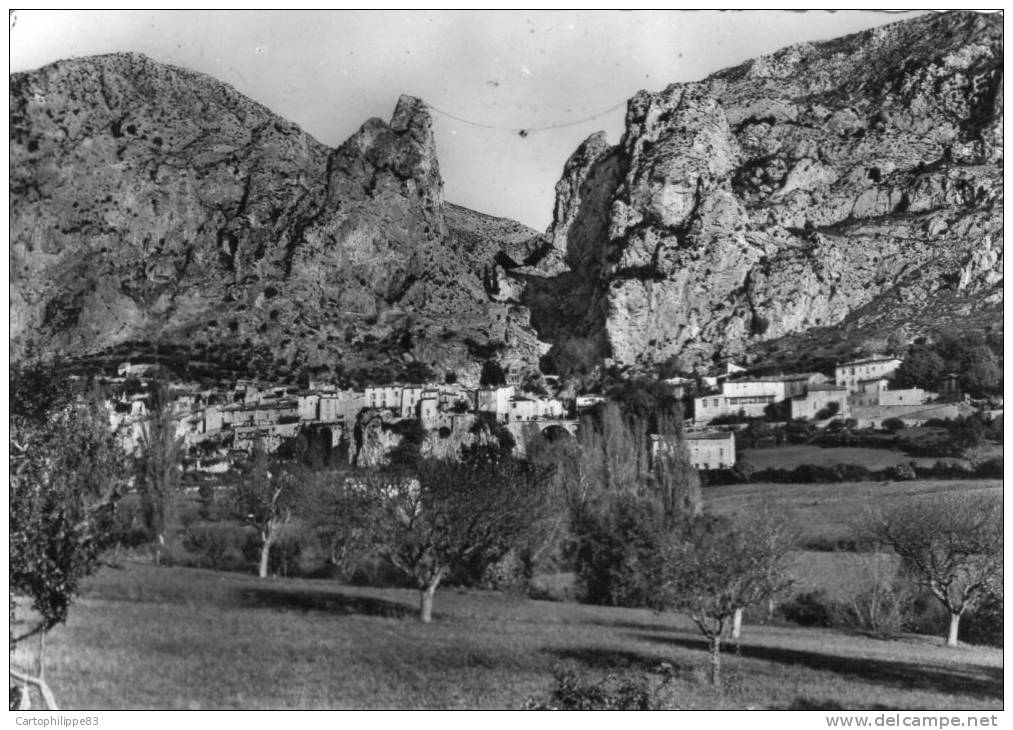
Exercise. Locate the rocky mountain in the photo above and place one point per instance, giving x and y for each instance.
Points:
(849, 185)
(157, 211)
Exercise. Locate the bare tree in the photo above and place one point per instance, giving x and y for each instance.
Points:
(451, 514)
(263, 498)
(716, 566)
(952, 545)
(158, 468)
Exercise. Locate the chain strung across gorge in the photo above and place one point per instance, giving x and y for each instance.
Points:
(525, 131)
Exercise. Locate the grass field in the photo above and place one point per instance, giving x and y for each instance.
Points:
(789, 457)
(826, 510)
(175, 638)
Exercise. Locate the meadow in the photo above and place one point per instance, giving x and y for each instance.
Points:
(182, 638)
(146, 637)
(827, 511)
(791, 456)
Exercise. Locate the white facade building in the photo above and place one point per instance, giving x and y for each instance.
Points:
(707, 450)
(410, 397)
(850, 374)
(495, 400)
(384, 396)
(819, 397)
(751, 396)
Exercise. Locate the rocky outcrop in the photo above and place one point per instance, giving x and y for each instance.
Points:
(852, 183)
(157, 210)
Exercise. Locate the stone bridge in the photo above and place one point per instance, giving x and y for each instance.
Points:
(551, 427)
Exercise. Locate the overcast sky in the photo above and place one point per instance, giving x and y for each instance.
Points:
(329, 71)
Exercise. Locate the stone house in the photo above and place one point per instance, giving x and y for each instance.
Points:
(411, 395)
(384, 396)
(309, 407)
(429, 407)
(851, 373)
(707, 449)
(344, 406)
(751, 396)
(818, 397)
(522, 409)
(876, 392)
(495, 400)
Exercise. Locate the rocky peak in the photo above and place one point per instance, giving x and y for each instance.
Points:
(215, 231)
(839, 185)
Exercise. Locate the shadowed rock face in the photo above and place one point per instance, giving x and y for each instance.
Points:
(855, 183)
(155, 205)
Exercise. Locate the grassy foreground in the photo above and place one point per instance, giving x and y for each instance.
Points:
(175, 638)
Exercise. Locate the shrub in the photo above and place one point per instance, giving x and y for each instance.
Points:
(612, 692)
(617, 554)
(984, 624)
(893, 425)
(511, 573)
(989, 469)
(829, 411)
(799, 432)
(814, 608)
(216, 545)
(901, 473)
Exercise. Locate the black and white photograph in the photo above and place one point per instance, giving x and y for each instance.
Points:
(507, 360)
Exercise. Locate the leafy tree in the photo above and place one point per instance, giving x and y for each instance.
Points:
(37, 390)
(965, 433)
(451, 514)
(981, 373)
(622, 500)
(158, 468)
(952, 545)
(67, 472)
(617, 552)
(492, 374)
(263, 497)
(922, 368)
(713, 567)
(651, 401)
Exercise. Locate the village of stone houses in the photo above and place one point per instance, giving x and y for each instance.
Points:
(293, 426)
(220, 425)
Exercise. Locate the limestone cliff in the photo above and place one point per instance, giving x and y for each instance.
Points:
(851, 184)
(155, 210)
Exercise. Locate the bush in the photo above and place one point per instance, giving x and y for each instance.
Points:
(893, 425)
(216, 545)
(814, 608)
(612, 692)
(829, 411)
(617, 554)
(799, 432)
(512, 573)
(984, 625)
(989, 469)
(901, 473)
